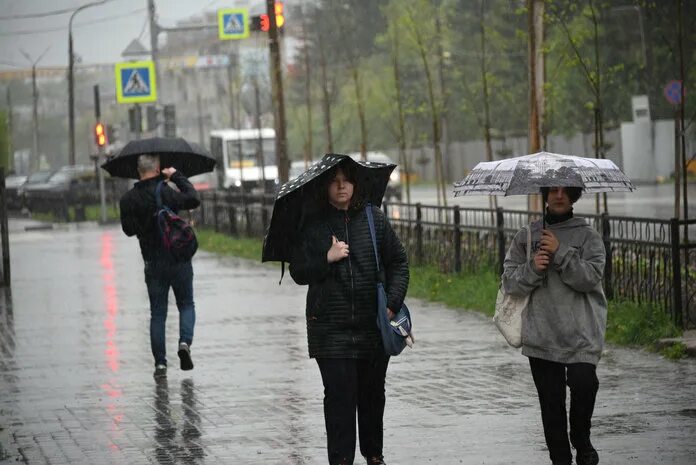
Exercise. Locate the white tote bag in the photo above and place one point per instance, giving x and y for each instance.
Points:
(509, 308)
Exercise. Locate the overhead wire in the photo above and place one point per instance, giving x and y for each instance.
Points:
(76, 25)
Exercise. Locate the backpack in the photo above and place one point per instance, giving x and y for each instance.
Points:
(176, 234)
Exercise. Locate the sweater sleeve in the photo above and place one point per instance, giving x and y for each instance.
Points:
(581, 270)
(308, 262)
(395, 262)
(519, 277)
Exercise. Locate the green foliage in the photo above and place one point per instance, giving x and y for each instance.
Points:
(472, 291)
(630, 323)
(674, 352)
(224, 244)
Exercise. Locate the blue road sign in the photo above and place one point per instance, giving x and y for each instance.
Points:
(135, 82)
(673, 91)
(233, 23)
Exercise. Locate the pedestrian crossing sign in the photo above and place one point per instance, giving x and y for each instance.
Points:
(233, 23)
(135, 82)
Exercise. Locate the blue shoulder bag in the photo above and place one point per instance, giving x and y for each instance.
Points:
(395, 331)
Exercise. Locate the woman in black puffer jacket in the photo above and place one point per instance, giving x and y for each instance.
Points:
(335, 257)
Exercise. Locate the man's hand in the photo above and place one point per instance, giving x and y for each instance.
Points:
(338, 250)
(541, 261)
(549, 243)
(168, 172)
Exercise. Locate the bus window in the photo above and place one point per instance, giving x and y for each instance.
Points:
(248, 148)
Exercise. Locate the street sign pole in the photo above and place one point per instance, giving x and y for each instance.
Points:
(100, 153)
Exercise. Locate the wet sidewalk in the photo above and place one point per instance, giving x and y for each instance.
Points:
(76, 383)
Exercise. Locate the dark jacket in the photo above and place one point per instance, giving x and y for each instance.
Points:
(138, 207)
(342, 297)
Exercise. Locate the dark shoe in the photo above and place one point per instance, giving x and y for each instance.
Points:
(587, 457)
(185, 356)
(375, 461)
(160, 371)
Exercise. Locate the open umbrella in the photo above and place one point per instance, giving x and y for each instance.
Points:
(297, 198)
(528, 174)
(187, 157)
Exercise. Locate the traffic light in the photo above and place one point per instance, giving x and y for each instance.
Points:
(169, 120)
(135, 119)
(151, 114)
(100, 134)
(263, 23)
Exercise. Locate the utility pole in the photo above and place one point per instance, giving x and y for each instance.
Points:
(34, 163)
(260, 161)
(71, 82)
(278, 98)
(154, 31)
(535, 23)
(100, 156)
(9, 130)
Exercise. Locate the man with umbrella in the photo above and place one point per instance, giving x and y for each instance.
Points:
(332, 253)
(138, 218)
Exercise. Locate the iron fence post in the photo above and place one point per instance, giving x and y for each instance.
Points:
(500, 233)
(232, 213)
(608, 251)
(215, 212)
(676, 273)
(264, 214)
(457, 240)
(419, 234)
(203, 197)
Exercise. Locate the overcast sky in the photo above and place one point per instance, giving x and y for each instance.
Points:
(100, 33)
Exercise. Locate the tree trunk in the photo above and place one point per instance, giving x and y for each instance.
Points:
(308, 97)
(361, 110)
(493, 200)
(405, 172)
(325, 99)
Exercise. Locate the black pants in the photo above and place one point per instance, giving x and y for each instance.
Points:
(550, 379)
(352, 385)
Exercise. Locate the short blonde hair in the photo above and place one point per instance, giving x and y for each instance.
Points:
(148, 163)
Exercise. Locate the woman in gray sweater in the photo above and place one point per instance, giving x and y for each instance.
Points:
(564, 324)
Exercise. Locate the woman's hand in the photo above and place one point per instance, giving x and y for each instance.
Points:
(549, 242)
(541, 261)
(338, 251)
(390, 314)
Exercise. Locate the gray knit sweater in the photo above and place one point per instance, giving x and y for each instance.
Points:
(566, 317)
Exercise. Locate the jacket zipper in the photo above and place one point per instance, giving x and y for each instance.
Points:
(350, 271)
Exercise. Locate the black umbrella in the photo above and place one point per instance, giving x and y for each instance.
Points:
(297, 198)
(187, 157)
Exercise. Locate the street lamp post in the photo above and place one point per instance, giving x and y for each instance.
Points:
(34, 162)
(71, 85)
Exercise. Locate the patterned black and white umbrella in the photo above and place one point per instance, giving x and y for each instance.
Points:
(298, 196)
(528, 174)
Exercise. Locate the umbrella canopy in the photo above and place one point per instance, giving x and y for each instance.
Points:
(528, 174)
(297, 199)
(187, 157)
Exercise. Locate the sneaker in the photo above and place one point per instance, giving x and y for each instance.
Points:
(185, 356)
(160, 371)
(375, 461)
(587, 457)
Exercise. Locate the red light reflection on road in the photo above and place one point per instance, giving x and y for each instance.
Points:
(108, 274)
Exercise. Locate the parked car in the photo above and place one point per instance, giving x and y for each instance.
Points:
(33, 179)
(393, 191)
(69, 182)
(13, 184)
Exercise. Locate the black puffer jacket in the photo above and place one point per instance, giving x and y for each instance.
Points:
(341, 300)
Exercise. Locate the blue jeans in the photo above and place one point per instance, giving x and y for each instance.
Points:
(159, 277)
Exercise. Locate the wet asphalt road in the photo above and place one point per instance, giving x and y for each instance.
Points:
(76, 382)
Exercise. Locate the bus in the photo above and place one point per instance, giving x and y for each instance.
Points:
(246, 159)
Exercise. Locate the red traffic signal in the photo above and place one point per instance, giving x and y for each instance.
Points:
(100, 134)
(263, 23)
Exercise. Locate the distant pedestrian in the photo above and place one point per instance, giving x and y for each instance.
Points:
(335, 257)
(138, 208)
(564, 324)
